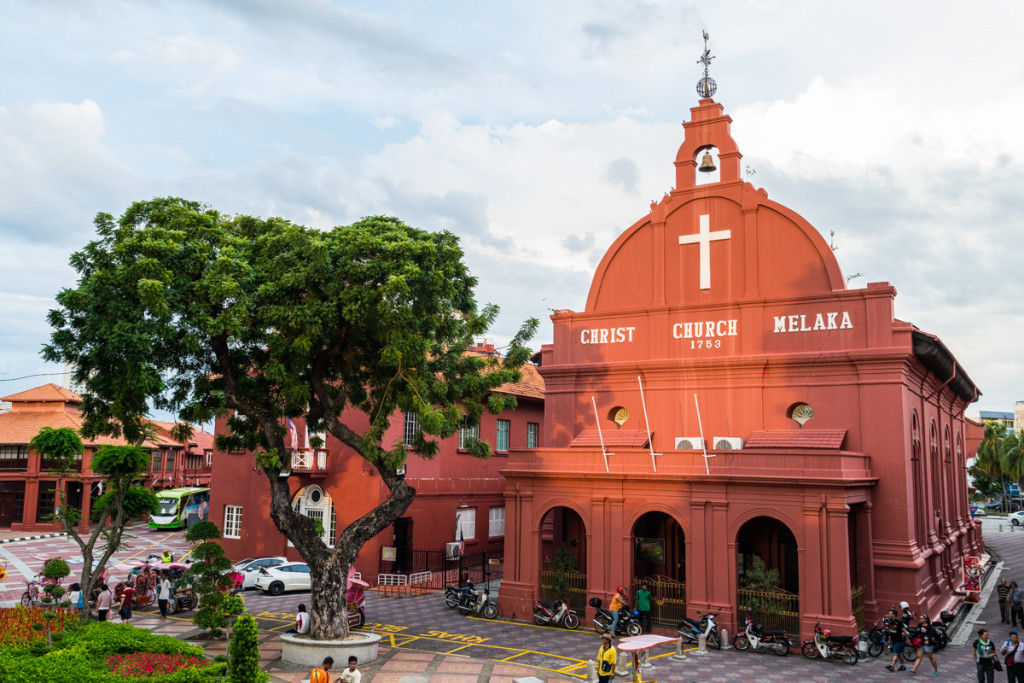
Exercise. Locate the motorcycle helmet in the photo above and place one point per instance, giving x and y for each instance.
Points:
(827, 633)
(636, 613)
(620, 589)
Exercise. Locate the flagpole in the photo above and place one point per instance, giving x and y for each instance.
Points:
(703, 441)
(597, 419)
(647, 424)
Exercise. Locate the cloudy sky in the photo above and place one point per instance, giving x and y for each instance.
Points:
(536, 131)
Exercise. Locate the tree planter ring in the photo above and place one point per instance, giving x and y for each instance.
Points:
(305, 652)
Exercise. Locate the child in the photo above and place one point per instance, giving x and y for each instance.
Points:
(351, 674)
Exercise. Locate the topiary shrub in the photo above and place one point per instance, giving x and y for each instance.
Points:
(244, 664)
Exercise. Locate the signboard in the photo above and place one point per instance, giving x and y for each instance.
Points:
(388, 553)
(649, 549)
(972, 577)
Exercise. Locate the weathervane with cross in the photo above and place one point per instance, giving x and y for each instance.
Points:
(706, 86)
(704, 238)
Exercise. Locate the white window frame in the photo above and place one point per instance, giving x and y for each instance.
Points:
(410, 427)
(532, 434)
(498, 446)
(208, 454)
(233, 521)
(466, 432)
(496, 521)
(465, 520)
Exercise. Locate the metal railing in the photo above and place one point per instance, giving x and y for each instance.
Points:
(857, 605)
(668, 599)
(773, 609)
(577, 582)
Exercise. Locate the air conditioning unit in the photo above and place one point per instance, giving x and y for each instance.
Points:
(689, 443)
(725, 443)
(451, 550)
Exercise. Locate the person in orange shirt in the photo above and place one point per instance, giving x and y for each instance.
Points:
(319, 674)
(618, 602)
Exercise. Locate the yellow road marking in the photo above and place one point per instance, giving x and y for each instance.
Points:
(145, 549)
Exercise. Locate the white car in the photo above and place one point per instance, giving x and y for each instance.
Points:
(1016, 518)
(290, 576)
(249, 568)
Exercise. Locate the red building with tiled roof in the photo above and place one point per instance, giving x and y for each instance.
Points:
(453, 490)
(28, 488)
(725, 397)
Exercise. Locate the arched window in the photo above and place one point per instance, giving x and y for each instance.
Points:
(947, 446)
(915, 436)
(315, 503)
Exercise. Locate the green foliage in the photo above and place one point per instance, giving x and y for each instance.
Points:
(56, 568)
(245, 653)
(209, 575)
(78, 657)
(562, 563)
(62, 445)
(1000, 457)
(765, 582)
(202, 531)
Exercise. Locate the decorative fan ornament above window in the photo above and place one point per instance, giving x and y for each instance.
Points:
(621, 416)
(801, 413)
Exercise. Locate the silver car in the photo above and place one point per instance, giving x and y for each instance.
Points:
(249, 568)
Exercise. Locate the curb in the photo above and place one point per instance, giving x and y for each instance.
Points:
(31, 538)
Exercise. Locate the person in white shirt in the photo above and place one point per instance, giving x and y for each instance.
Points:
(351, 674)
(163, 593)
(301, 621)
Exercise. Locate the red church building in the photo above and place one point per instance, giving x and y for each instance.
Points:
(455, 491)
(724, 397)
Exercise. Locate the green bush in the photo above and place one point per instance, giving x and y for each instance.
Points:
(245, 653)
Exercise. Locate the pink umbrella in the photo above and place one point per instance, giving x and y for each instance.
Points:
(638, 644)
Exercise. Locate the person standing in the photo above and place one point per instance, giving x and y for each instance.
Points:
(643, 606)
(928, 637)
(1003, 590)
(351, 674)
(319, 674)
(984, 653)
(127, 597)
(1016, 604)
(618, 602)
(607, 658)
(103, 602)
(1014, 654)
(163, 593)
(897, 632)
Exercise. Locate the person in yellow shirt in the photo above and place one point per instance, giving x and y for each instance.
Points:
(319, 674)
(606, 660)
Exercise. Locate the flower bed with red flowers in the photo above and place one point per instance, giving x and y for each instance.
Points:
(144, 664)
(16, 624)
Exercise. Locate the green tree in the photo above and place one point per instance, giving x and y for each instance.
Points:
(122, 499)
(1000, 457)
(765, 585)
(562, 565)
(201, 314)
(209, 576)
(244, 653)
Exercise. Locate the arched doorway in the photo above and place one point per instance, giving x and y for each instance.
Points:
(315, 503)
(659, 559)
(769, 574)
(563, 557)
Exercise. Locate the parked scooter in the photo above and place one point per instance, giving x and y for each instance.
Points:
(559, 614)
(828, 646)
(629, 621)
(476, 602)
(690, 630)
(760, 639)
(452, 594)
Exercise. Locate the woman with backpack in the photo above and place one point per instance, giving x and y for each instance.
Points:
(984, 652)
(928, 637)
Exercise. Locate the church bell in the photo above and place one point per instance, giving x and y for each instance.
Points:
(707, 165)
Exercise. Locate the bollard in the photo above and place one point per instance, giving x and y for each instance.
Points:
(702, 645)
(679, 655)
(622, 666)
(591, 671)
(645, 660)
(724, 639)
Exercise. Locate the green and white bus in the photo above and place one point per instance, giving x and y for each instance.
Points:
(180, 508)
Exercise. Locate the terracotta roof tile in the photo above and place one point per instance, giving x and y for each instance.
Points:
(796, 438)
(530, 386)
(632, 438)
(19, 428)
(46, 392)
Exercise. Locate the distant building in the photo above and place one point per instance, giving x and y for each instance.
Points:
(28, 486)
(455, 492)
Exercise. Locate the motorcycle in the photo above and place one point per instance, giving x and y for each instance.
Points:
(473, 602)
(452, 594)
(559, 614)
(690, 630)
(828, 646)
(760, 639)
(878, 638)
(629, 622)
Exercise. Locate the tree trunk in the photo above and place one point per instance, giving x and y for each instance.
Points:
(329, 612)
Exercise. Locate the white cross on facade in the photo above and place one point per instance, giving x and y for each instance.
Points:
(704, 238)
